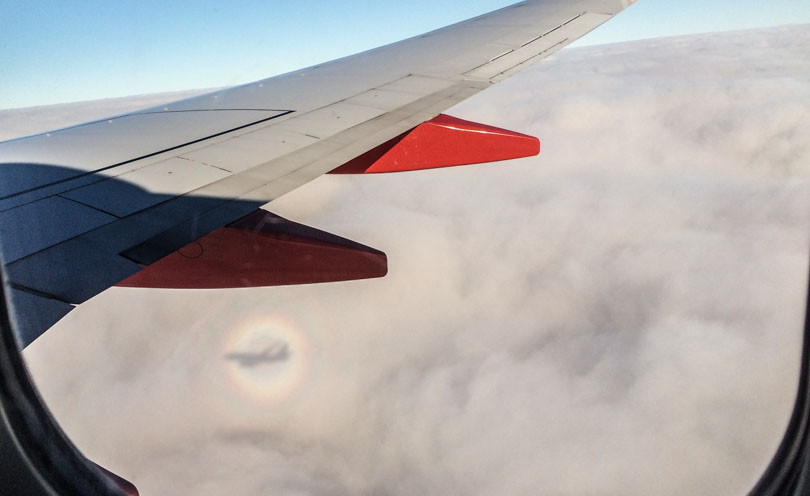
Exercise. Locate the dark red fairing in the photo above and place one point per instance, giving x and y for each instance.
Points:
(443, 142)
(262, 249)
(127, 487)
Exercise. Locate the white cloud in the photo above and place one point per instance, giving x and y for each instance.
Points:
(620, 315)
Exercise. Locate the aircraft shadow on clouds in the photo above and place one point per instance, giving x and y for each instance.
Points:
(274, 353)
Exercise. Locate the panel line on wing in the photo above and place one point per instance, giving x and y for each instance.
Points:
(151, 112)
(554, 29)
(89, 206)
(540, 55)
(148, 155)
(35, 292)
(538, 47)
(137, 113)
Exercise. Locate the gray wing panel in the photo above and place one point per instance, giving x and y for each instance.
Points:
(95, 257)
(109, 195)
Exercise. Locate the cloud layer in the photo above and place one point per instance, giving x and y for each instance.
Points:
(620, 315)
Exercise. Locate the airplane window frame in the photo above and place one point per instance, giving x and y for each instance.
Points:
(36, 456)
(788, 473)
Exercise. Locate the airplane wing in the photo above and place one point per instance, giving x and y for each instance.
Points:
(170, 196)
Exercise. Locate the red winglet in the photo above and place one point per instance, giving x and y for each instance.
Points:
(443, 142)
(262, 249)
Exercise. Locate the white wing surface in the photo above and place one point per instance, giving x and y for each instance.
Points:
(86, 207)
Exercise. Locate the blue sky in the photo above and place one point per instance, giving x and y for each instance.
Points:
(55, 51)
